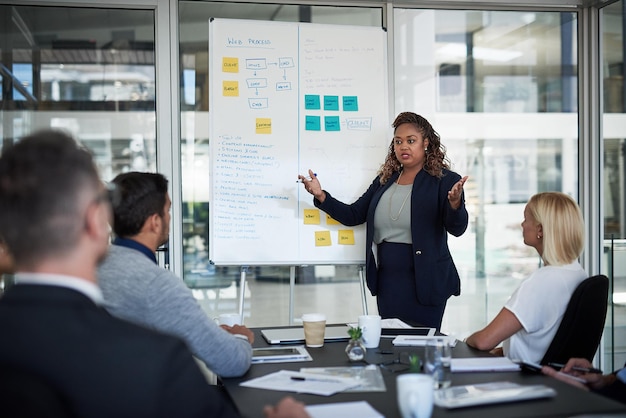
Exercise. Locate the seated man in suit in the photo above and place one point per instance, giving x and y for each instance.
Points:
(612, 385)
(135, 288)
(54, 217)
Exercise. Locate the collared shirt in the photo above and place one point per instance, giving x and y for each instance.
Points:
(129, 243)
(87, 288)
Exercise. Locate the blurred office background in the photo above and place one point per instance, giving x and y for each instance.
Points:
(528, 96)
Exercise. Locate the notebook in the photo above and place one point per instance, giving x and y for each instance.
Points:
(295, 335)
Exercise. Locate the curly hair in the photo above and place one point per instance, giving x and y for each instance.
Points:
(436, 159)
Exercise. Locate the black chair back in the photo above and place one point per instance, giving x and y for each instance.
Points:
(582, 325)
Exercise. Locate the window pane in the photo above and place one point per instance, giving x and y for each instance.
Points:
(267, 294)
(86, 70)
(500, 88)
(614, 163)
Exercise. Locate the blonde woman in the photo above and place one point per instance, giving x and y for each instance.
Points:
(553, 225)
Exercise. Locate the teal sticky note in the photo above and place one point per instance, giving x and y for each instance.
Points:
(331, 123)
(311, 101)
(350, 103)
(312, 123)
(331, 102)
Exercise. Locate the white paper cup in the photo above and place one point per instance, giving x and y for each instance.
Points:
(415, 395)
(314, 325)
(229, 319)
(371, 327)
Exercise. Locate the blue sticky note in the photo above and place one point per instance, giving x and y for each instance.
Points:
(311, 101)
(331, 123)
(350, 103)
(312, 123)
(331, 102)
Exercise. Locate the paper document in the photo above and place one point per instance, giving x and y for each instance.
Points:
(359, 409)
(483, 364)
(369, 377)
(292, 381)
(419, 340)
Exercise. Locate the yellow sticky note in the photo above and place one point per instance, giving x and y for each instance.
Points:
(331, 221)
(346, 237)
(263, 125)
(230, 65)
(230, 88)
(311, 217)
(322, 238)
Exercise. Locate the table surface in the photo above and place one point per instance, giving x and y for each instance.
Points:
(568, 402)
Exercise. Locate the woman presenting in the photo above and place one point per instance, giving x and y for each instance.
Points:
(410, 207)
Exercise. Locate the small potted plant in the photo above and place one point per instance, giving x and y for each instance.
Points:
(415, 365)
(355, 349)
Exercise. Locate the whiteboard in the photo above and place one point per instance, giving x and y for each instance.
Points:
(286, 97)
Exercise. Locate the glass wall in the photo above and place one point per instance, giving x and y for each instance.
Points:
(501, 89)
(267, 290)
(85, 70)
(613, 21)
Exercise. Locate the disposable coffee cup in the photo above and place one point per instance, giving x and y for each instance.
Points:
(314, 325)
(229, 319)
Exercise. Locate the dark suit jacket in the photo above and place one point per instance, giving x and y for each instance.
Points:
(100, 365)
(432, 218)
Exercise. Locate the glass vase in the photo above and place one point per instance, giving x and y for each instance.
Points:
(355, 350)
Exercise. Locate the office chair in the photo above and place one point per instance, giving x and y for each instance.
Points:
(582, 325)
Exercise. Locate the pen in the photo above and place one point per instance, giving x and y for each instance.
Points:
(309, 178)
(578, 369)
(312, 379)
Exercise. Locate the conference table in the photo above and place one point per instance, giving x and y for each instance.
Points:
(569, 401)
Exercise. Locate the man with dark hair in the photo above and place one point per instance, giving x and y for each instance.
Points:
(57, 342)
(137, 289)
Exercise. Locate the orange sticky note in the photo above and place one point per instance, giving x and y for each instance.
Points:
(331, 221)
(230, 65)
(322, 238)
(346, 237)
(311, 217)
(230, 88)
(263, 126)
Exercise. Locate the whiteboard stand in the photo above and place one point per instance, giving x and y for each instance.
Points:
(242, 290)
(363, 287)
(292, 285)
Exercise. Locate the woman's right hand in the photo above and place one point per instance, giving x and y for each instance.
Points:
(312, 185)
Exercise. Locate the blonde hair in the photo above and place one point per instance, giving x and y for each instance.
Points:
(563, 227)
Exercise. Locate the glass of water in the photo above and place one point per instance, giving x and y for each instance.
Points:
(437, 355)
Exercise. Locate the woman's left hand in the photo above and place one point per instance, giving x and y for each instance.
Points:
(454, 195)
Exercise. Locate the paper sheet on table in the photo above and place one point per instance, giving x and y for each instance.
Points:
(359, 409)
(292, 381)
(483, 364)
(419, 340)
(369, 377)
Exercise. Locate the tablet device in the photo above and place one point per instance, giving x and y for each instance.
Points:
(280, 354)
(394, 332)
(295, 335)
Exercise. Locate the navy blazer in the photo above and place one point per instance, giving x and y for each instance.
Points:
(432, 218)
(100, 366)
